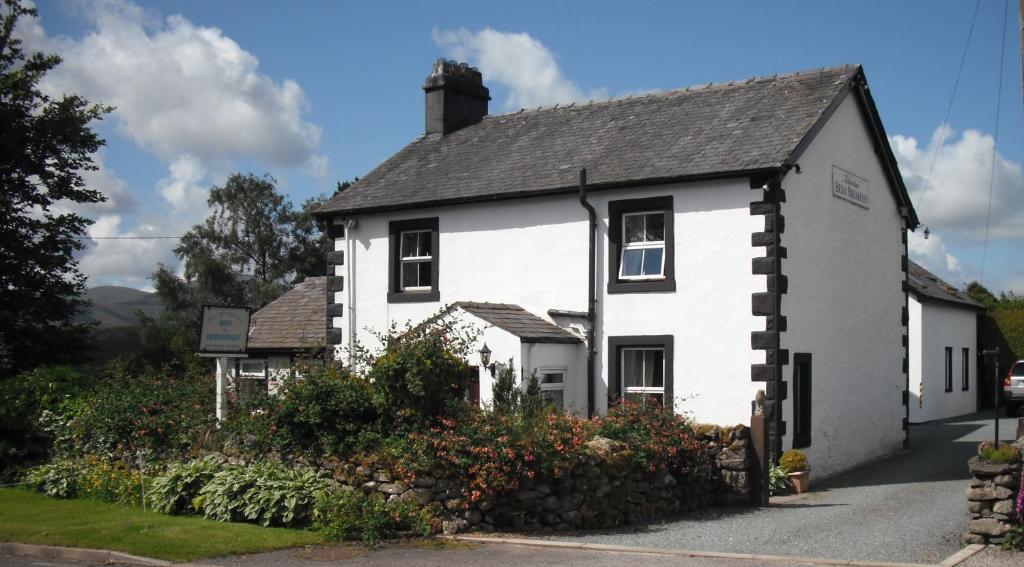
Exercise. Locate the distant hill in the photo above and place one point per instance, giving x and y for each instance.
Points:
(116, 306)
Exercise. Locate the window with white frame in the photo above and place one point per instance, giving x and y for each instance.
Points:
(552, 386)
(416, 260)
(253, 377)
(643, 246)
(643, 374)
(253, 369)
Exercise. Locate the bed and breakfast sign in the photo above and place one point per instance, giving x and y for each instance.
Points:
(851, 187)
(225, 330)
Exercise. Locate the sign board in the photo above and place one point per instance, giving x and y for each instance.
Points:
(225, 330)
(850, 187)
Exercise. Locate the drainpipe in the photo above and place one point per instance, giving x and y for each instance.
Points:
(591, 291)
(350, 288)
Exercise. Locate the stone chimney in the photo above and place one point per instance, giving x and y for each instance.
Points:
(456, 97)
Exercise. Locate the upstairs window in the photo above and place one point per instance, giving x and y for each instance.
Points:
(413, 260)
(640, 245)
(417, 260)
(643, 246)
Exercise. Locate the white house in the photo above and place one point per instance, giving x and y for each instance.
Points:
(943, 348)
(723, 239)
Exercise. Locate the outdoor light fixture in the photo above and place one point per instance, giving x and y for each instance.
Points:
(926, 232)
(485, 358)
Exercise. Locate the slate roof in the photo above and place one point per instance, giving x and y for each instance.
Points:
(927, 286)
(710, 130)
(518, 321)
(294, 321)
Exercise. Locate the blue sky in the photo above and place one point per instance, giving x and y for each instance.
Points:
(316, 92)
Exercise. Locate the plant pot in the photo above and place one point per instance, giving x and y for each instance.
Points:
(801, 481)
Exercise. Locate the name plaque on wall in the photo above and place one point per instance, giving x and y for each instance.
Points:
(850, 187)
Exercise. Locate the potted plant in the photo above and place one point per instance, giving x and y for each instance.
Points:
(795, 463)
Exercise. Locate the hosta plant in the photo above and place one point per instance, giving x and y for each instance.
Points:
(266, 493)
(174, 491)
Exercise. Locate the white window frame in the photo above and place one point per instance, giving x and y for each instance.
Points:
(249, 375)
(559, 387)
(403, 260)
(645, 245)
(644, 391)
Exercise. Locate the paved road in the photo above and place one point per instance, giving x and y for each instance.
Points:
(907, 508)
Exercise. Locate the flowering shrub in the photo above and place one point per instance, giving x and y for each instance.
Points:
(658, 438)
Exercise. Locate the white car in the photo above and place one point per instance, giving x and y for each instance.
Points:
(1013, 388)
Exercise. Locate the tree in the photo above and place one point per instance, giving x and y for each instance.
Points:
(46, 144)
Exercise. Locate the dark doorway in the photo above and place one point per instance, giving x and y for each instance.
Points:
(473, 385)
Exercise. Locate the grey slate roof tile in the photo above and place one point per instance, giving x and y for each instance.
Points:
(695, 131)
(296, 320)
(927, 285)
(518, 321)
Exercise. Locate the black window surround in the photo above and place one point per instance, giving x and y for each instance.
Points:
(615, 347)
(616, 210)
(802, 406)
(965, 369)
(395, 229)
(949, 369)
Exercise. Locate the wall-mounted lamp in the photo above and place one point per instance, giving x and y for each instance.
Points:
(927, 232)
(485, 359)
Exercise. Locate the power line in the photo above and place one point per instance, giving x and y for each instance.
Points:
(995, 142)
(949, 107)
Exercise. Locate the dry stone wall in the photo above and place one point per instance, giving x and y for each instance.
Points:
(991, 500)
(605, 490)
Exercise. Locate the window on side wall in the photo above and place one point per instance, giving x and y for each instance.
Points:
(640, 369)
(252, 376)
(965, 369)
(640, 246)
(413, 260)
(552, 386)
(949, 369)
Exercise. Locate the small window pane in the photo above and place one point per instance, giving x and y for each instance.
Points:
(409, 274)
(409, 244)
(652, 261)
(425, 240)
(632, 368)
(425, 275)
(657, 368)
(632, 262)
(634, 228)
(551, 378)
(655, 227)
(554, 397)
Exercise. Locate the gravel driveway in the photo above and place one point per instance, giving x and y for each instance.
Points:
(909, 507)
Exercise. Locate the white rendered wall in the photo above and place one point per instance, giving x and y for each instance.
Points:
(938, 326)
(570, 357)
(533, 253)
(845, 301)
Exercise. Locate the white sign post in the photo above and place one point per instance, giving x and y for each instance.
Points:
(224, 335)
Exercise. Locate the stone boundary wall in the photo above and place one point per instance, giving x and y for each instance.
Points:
(991, 500)
(603, 491)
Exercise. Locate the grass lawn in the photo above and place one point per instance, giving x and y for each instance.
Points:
(29, 517)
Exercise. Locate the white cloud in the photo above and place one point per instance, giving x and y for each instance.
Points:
(179, 88)
(955, 198)
(932, 253)
(517, 61)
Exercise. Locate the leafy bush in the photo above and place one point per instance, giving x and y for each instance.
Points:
(90, 478)
(793, 460)
(329, 410)
(24, 441)
(266, 493)
(174, 491)
(1005, 453)
(58, 480)
(421, 375)
(778, 480)
(350, 514)
(658, 438)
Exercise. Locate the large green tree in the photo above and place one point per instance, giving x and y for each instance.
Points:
(45, 145)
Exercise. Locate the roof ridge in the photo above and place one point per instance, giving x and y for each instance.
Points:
(676, 91)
